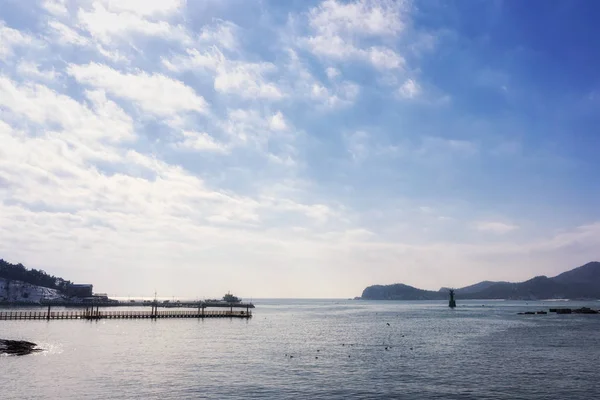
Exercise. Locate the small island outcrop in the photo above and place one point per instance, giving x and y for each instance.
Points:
(17, 347)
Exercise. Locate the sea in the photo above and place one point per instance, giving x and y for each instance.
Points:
(316, 349)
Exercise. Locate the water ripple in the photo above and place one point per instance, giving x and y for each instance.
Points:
(314, 349)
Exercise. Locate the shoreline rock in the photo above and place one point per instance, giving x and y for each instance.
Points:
(582, 310)
(17, 347)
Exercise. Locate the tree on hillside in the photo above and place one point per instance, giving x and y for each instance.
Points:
(18, 272)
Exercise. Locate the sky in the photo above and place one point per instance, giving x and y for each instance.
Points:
(298, 148)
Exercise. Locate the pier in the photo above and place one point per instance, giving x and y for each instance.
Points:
(133, 303)
(95, 313)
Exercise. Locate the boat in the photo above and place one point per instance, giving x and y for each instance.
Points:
(229, 298)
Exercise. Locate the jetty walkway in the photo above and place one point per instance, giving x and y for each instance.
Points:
(96, 314)
(133, 303)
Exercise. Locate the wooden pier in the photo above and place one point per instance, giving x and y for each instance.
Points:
(97, 314)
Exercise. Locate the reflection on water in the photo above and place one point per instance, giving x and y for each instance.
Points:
(317, 349)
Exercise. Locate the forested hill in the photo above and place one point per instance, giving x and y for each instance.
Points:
(18, 272)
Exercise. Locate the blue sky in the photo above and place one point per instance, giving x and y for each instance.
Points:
(298, 148)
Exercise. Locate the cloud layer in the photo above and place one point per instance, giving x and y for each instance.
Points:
(272, 152)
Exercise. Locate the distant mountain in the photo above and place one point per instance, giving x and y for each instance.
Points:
(579, 283)
(586, 274)
(540, 287)
(478, 287)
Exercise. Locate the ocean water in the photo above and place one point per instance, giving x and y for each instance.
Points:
(481, 350)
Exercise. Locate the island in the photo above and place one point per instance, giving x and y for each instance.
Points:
(581, 283)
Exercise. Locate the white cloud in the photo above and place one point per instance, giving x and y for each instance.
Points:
(332, 73)
(304, 84)
(10, 39)
(32, 70)
(154, 93)
(170, 195)
(337, 48)
(285, 160)
(332, 47)
(499, 228)
(106, 26)
(250, 126)
(200, 141)
(57, 171)
(346, 92)
(211, 59)
(363, 17)
(409, 89)
(277, 122)
(245, 79)
(320, 213)
(65, 35)
(384, 58)
(338, 28)
(102, 119)
(145, 7)
(263, 80)
(270, 135)
(224, 34)
(56, 7)
(148, 211)
(113, 55)
(341, 95)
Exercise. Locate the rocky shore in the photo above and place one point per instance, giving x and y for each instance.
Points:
(17, 347)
